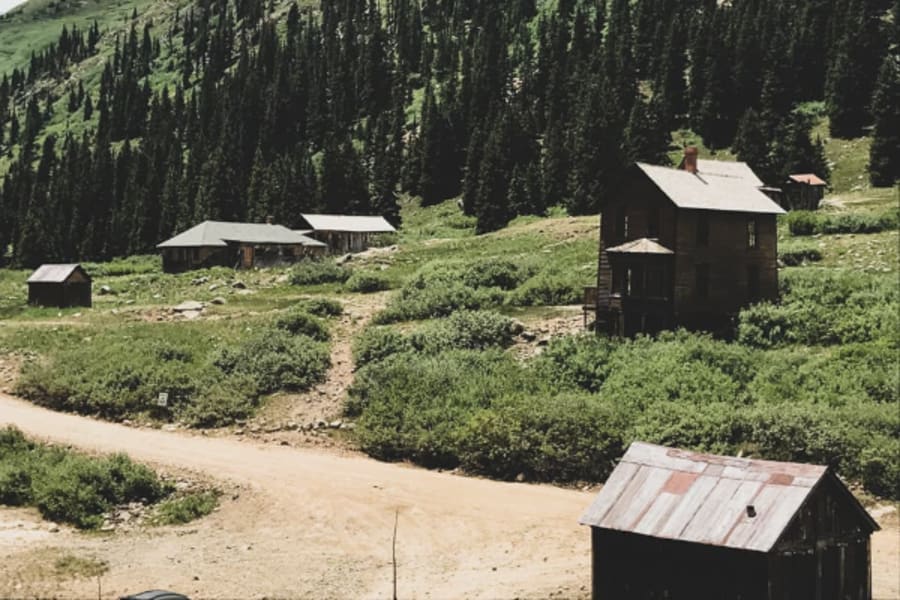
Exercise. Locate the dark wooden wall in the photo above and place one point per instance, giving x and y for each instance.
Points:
(60, 295)
(634, 567)
(728, 258)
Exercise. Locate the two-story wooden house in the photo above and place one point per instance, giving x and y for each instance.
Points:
(686, 247)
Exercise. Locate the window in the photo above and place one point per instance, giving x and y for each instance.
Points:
(703, 281)
(753, 282)
(634, 281)
(703, 229)
(653, 223)
(752, 234)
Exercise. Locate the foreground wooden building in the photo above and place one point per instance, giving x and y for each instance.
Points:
(685, 526)
(237, 245)
(60, 286)
(344, 234)
(684, 247)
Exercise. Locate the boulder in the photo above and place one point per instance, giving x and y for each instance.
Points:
(239, 285)
(189, 306)
(105, 290)
(219, 301)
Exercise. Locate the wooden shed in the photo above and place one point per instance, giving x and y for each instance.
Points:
(803, 191)
(237, 245)
(59, 286)
(684, 248)
(345, 233)
(686, 526)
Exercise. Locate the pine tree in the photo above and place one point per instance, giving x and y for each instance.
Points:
(884, 154)
(752, 145)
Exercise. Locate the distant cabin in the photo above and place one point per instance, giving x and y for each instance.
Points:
(59, 286)
(236, 245)
(686, 526)
(684, 247)
(345, 234)
(803, 191)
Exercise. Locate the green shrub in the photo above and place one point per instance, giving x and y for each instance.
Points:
(377, 343)
(185, 509)
(798, 252)
(322, 307)
(803, 222)
(467, 330)
(276, 360)
(222, 402)
(367, 282)
(299, 322)
(15, 485)
(548, 289)
(314, 272)
(433, 295)
(495, 273)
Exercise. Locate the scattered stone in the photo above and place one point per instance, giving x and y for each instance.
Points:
(239, 285)
(529, 336)
(189, 306)
(200, 280)
(214, 287)
(218, 301)
(105, 290)
(282, 278)
(544, 341)
(520, 477)
(54, 529)
(246, 292)
(348, 426)
(344, 259)
(77, 315)
(190, 315)
(336, 424)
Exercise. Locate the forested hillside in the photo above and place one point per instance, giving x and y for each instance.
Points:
(120, 133)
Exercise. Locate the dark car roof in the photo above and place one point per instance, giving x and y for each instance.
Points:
(155, 595)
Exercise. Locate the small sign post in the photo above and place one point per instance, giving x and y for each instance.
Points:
(163, 399)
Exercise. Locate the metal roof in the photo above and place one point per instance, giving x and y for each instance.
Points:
(348, 223)
(54, 273)
(641, 246)
(706, 190)
(807, 178)
(219, 233)
(702, 498)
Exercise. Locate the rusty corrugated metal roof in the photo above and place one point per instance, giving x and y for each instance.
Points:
(807, 178)
(53, 273)
(702, 498)
(640, 246)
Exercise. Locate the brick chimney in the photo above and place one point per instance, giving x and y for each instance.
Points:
(690, 159)
(270, 220)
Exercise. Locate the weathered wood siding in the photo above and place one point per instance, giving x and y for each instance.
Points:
(728, 259)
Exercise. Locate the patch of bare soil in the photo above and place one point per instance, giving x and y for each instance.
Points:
(539, 330)
(10, 366)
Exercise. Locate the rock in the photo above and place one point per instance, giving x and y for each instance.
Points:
(344, 259)
(189, 306)
(529, 336)
(238, 432)
(348, 426)
(190, 315)
(214, 287)
(520, 477)
(544, 341)
(239, 285)
(282, 279)
(245, 292)
(54, 529)
(77, 315)
(218, 301)
(336, 424)
(200, 280)
(157, 296)
(105, 290)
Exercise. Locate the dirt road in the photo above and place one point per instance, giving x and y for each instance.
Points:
(308, 524)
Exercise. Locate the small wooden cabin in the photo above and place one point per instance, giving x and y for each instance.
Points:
(686, 526)
(803, 191)
(684, 248)
(237, 245)
(60, 286)
(345, 234)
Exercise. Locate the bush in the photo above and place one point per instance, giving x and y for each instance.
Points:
(377, 343)
(322, 307)
(299, 322)
(179, 511)
(222, 402)
(70, 487)
(803, 222)
(276, 360)
(367, 282)
(793, 254)
(548, 289)
(314, 272)
(467, 330)
(495, 273)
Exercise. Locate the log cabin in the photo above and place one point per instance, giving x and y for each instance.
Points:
(684, 247)
(344, 234)
(60, 286)
(688, 526)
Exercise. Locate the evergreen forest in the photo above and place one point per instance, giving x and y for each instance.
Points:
(116, 136)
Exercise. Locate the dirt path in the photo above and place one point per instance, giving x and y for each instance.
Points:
(313, 524)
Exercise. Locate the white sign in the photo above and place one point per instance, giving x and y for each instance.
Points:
(163, 399)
